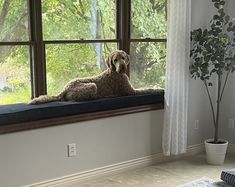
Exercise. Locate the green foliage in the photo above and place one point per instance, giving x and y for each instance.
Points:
(21, 96)
(213, 49)
(149, 19)
(15, 83)
(148, 59)
(84, 19)
(213, 53)
(14, 26)
(148, 65)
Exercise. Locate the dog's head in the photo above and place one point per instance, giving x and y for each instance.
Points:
(118, 61)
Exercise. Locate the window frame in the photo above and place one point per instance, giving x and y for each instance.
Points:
(37, 44)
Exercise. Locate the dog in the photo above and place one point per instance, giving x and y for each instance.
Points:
(112, 82)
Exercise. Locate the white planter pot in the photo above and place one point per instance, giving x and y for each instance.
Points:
(215, 153)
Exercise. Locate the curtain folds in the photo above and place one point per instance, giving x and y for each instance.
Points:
(174, 140)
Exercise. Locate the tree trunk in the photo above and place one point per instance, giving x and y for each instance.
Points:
(3, 14)
(18, 31)
(217, 110)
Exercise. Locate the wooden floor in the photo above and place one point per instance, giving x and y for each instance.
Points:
(170, 174)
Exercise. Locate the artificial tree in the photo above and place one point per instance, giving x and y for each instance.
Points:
(213, 53)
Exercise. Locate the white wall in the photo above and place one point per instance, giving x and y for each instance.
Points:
(228, 111)
(228, 102)
(202, 12)
(37, 155)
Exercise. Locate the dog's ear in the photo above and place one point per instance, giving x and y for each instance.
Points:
(128, 58)
(109, 62)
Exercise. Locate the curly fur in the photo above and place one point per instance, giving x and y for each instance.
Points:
(110, 83)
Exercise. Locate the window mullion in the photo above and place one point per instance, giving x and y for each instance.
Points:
(37, 49)
(149, 40)
(124, 19)
(124, 25)
(118, 22)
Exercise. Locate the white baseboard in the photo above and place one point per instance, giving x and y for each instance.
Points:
(116, 168)
(231, 149)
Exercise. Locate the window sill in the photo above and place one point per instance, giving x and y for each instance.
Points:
(20, 117)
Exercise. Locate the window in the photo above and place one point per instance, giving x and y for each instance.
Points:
(15, 84)
(148, 43)
(44, 44)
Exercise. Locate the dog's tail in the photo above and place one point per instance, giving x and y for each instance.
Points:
(45, 99)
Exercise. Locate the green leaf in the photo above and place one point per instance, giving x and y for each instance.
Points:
(222, 2)
(216, 5)
(227, 18)
(216, 16)
(218, 23)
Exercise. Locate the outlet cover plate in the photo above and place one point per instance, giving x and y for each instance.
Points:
(196, 124)
(72, 150)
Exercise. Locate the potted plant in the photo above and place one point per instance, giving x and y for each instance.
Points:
(213, 60)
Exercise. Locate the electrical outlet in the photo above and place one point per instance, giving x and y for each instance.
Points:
(231, 123)
(72, 150)
(196, 124)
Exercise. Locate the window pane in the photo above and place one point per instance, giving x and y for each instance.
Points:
(14, 20)
(148, 67)
(148, 19)
(68, 61)
(79, 19)
(15, 84)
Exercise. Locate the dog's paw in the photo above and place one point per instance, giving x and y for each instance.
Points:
(33, 102)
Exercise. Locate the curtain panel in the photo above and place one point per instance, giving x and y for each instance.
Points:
(174, 140)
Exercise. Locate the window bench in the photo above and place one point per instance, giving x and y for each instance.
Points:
(18, 117)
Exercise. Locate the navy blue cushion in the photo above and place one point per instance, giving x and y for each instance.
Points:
(16, 113)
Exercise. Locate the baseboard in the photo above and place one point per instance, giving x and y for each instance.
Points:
(195, 149)
(102, 171)
(231, 149)
(116, 168)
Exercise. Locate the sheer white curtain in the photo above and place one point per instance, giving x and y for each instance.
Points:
(174, 140)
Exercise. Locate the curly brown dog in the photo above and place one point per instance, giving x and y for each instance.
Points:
(110, 83)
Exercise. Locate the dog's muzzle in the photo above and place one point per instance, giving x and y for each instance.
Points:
(121, 67)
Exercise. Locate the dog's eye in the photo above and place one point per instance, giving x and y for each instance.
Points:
(115, 60)
(123, 58)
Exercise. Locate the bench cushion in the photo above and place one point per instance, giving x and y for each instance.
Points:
(16, 113)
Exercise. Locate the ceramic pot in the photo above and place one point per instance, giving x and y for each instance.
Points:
(215, 153)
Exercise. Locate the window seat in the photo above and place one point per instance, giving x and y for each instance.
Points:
(15, 116)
